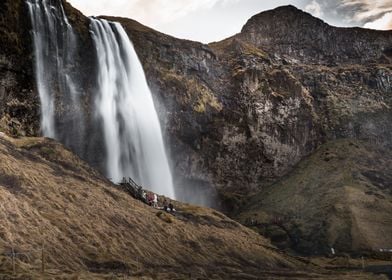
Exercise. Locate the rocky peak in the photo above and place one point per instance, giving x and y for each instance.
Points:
(289, 16)
(288, 31)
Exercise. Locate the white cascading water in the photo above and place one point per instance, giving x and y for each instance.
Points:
(54, 45)
(132, 132)
(124, 105)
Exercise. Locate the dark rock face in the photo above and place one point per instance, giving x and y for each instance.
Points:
(19, 104)
(240, 113)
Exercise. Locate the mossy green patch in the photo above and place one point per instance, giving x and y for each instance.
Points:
(194, 92)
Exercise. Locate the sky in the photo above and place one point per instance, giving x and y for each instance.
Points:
(213, 20)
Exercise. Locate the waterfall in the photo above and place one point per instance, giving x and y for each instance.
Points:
(125, 121)
(54, 45)
(132, 132)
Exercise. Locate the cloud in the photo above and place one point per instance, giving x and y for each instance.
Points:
(211, 20)
(151, 12)
(366, 10)
(383, 23)
(314, 8)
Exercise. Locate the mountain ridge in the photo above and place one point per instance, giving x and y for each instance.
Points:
(289, 31)
(282, 11)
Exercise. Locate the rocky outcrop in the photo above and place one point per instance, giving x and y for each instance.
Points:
(289, 32)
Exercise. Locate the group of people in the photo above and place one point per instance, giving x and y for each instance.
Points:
(147, 197)
(152, 200)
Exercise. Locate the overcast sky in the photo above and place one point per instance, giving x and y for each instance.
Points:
(213, 20)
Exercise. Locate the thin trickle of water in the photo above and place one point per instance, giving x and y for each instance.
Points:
(54, 46)
(132, 132)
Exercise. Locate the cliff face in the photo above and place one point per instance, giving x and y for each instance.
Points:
(19, 104)
(240, 113)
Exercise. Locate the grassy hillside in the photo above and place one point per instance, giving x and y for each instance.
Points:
(339, 197)
(54, 207)
(48, 196)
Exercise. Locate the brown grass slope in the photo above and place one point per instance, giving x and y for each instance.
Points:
(52, 202)
(48, 195)
(340, 197)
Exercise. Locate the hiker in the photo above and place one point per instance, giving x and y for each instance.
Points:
(165, 206)
(171, 207)
(150, 199)
(155, 201)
